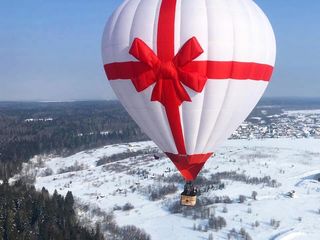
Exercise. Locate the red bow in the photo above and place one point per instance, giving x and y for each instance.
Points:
(170, 75)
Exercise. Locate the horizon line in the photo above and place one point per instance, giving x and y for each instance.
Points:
(110, 100)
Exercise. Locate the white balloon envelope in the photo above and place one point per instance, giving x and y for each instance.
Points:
(189, 72)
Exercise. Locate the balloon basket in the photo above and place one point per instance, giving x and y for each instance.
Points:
(189, 195)
(189, 201)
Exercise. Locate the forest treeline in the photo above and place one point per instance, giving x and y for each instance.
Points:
(28, 129)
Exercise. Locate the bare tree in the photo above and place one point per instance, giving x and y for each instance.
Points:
(254, 195)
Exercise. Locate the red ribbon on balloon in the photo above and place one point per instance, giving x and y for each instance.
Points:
(168, 75)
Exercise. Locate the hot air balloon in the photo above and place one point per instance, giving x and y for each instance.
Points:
(188, 72)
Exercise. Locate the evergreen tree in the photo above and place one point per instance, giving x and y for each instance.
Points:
(210, 236)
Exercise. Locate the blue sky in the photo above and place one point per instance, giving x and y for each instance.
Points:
(50, 50)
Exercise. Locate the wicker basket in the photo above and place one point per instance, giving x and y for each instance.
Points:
(188, 200)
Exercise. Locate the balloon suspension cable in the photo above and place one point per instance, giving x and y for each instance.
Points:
(189, 189)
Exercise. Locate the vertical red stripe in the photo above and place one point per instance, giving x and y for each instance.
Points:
(173, 116)
(165, 41)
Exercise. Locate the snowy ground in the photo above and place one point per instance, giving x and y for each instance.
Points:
(302, 112)
(294, 163)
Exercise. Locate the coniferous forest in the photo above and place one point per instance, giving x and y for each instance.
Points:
(28, 214)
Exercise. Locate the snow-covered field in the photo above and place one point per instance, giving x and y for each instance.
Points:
(294, 163)
(302, 112)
